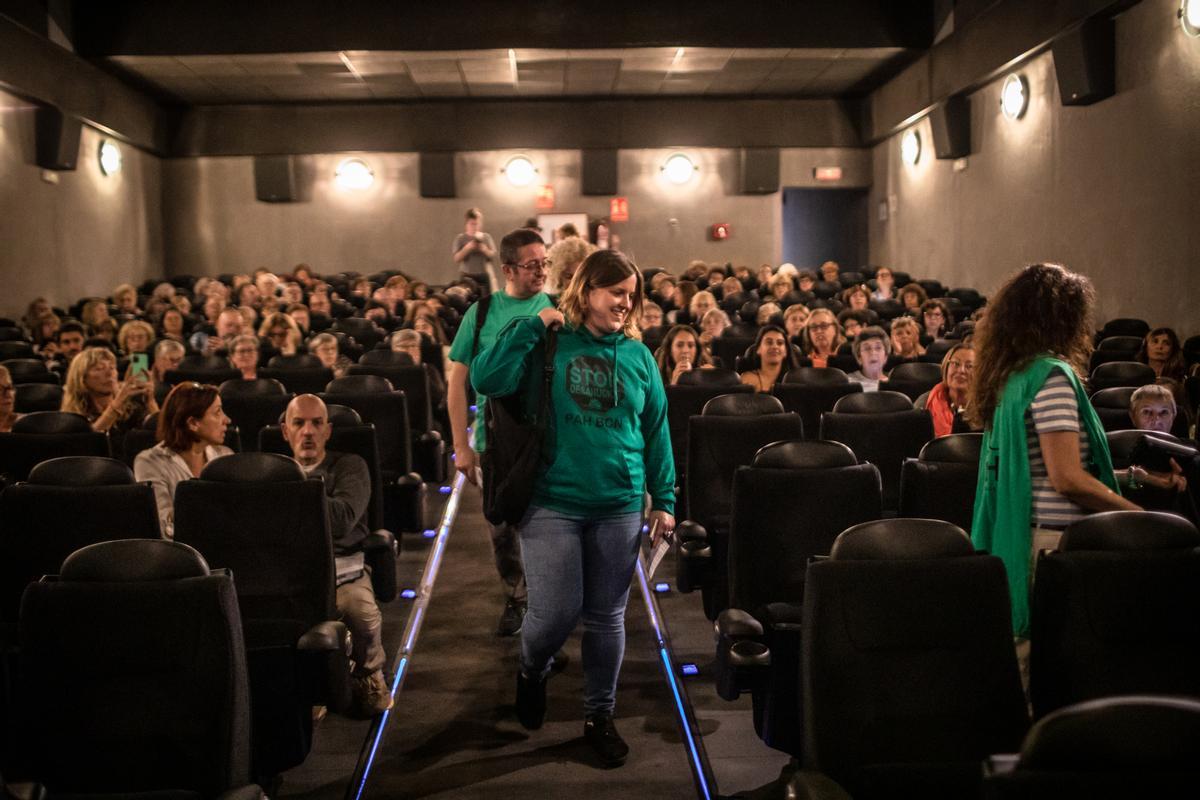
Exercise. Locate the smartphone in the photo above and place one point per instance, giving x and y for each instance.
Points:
(139, 366)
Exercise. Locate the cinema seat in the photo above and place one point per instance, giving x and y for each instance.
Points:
(940, 482)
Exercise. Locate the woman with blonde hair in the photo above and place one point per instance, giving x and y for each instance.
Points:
(93, 313)
(125, 299)
(111, 406)
(822, 337)
(610, 446)
(281, 332)
(562, 259)
(135, 337)
(906, 339)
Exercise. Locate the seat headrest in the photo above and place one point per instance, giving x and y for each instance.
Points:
(342, 416)
(880, 402)
(917, 371)
(198, 361)
(1113, 397)
(1130, 530)
(52, 422)
(133, 560)
(81, 471)
(816, 376)
(956, 448)
(150, 423)
(1123, 733)
(1135, 370)
(261, 387)
(709, 377)
(354, 384)
(386, 358)
(797, 454)
(901, 539)
(1121, 444)
(252, 468)
(742, 404)
(298, 361)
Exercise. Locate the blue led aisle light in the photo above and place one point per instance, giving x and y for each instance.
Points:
(408, 594)
(689, 669)
(429, 534)
(662, 588)
(444, 489)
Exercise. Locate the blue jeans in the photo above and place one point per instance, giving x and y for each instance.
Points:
(578, 567)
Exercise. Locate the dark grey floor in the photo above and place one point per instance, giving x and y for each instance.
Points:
(454, 734)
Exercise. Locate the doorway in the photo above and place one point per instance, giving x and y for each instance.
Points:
(825, 225)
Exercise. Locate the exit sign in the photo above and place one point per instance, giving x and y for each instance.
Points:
(827, 173)
(618, 209)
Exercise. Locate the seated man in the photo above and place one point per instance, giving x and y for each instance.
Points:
(348, 489)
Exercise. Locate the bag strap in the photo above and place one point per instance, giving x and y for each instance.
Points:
(481, 312)
(547, 375)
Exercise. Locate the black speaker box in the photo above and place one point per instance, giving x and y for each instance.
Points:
(950, 123)
(759, 172)
(437, 175)
(1085, 62)
(57, 139)
(600, 172)
(275, 179)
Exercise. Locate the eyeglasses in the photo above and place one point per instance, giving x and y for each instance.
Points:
(820, 326)
(537, 265)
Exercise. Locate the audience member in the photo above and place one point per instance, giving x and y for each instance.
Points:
(562, 260)
(794, 318)
(781, 286)
(682, 301)
(712, 325)
(243, 356)
(948, 399)
(1152, 408)
(652, 315)
(822, 337)
(773, 357)
(768, 313)
(475, 251)
(830, 271)
(853, 322)
(325, 347)
(680, 352)
(94, 312)
(912, 297)
(857, 298)
(936, 319)
(870, 349)
(8, 397)
(112, 406)
(68, 344)
(885, 285)
(135, 337)
(702, 302)
(906, 339)
(44, 332)
(191, 433)
(37, 308)
(167, 355)
(281, 332)
(806, 280)
(1162, 351)
(125, 300)
(171, 325)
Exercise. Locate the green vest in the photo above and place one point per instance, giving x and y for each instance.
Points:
(1004, 494)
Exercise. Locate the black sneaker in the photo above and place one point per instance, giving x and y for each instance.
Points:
(602, 735)
(512, 618)
(559, 662)
(531, 701)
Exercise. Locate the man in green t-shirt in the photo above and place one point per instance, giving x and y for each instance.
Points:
(523, 259)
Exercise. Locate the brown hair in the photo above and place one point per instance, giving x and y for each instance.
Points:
(1045, 309)
(600, 270)
(666, 361)
(186, 401)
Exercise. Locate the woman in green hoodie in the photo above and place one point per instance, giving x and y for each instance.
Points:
(1045, 461)
(607, 446)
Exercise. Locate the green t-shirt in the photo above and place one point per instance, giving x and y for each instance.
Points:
(503, 310)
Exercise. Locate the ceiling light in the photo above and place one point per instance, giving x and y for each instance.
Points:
(1189, 17)
(910, 147)
(1014, 96)
(354, 174)
(679, 169)
(110, 158)
(520, 171)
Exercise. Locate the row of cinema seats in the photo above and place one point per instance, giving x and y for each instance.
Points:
(882, 658)
(296, 652)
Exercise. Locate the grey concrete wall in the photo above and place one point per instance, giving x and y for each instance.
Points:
(1110, 190)
(214, 223)
(81, 236)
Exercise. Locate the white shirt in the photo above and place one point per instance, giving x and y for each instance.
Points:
(165, 469)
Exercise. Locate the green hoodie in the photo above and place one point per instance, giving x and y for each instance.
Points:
(604, 449)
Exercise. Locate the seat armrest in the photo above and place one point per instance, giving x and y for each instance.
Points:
(1000, 764)
(809, 785)
(688, 531)
(328, 636)
(23, 791)
(693, 564)
(380, 549)
(248, 792)
(381, 539)
(734, 623)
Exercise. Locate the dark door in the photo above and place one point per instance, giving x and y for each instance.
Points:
(825, 225)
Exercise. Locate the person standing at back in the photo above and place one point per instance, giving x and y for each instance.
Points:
(523, 257)
(475, 251)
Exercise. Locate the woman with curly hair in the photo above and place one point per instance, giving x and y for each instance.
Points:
(679, 352)
(1045, 459)
(562, 259)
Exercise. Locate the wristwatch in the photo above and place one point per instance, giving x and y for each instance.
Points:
(1134, 483)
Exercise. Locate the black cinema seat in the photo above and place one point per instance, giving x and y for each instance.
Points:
(788, 507)
(1116, 610)
(1108, 749)
(428, 447)
(44, 435)
(258, 516)
(162, 706)
(1124, 447)
(296, 377)
(686, 400)
(914, 378)
(726, 435)
(32, 397)
(253, 405)
(883, 428)
(29, 370)
(1120, 373)
(909, 677)
(811, 391)
(940, 482)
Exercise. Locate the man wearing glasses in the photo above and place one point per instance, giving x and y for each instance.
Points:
(523, 257)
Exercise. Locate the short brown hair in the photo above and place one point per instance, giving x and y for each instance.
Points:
(186, 401)
(600, 270)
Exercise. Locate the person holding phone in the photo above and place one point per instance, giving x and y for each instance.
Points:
(475, 251)
(606, 447)
(112, 406)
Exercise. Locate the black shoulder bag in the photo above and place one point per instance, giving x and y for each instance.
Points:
(514, 447)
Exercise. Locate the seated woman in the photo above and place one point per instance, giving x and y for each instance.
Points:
(794, 318)
(92, 390)
(906, 339)
(702, 303)
(680, 352)
(935, 319)
(769, 313)
(652, 315)
(682, 301)
(774, 356)
(135, 337)
(912, 297)
(191, 433)
(172, 325)
(281, 332)
(781, 286)
(243, 356)
(44, 334)
(325, 347)
(948, 398)
(871, 349)
(885, 285)
(857, 298)
(1152, 408)
(806, 280)
(822, 337)
(712, 325)
(8, 398)
(125, 300)
(1162, 351)
(408, 341)
(853, 322)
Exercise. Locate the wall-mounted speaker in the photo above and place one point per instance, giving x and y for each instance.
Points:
(599, 172)
(950, 123)
(759, 170)
(57, 138)
(1085, 62)
(437, 175)
(275, 179)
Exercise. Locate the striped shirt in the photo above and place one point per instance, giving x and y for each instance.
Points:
(1054, 408)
